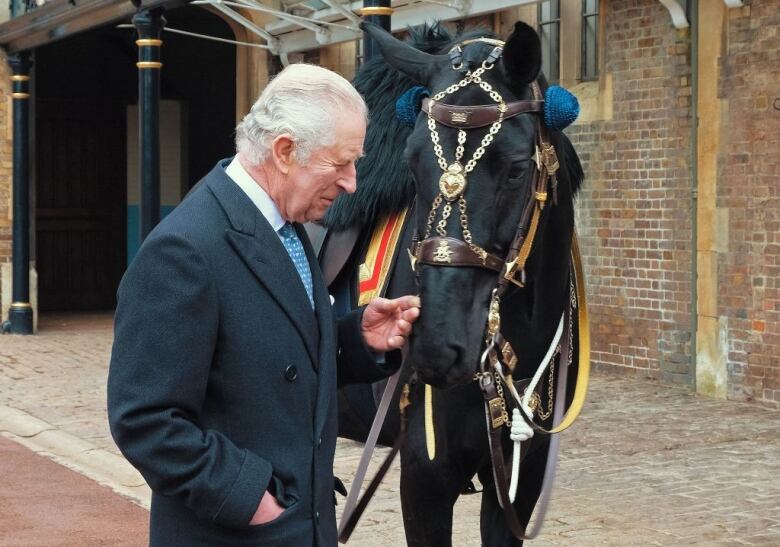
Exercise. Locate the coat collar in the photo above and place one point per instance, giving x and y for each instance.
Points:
(262, 251)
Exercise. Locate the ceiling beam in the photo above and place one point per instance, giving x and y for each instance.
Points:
(337, 5)
(59, 19)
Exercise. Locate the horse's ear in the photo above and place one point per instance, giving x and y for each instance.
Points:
(522, 57)
(416, 64)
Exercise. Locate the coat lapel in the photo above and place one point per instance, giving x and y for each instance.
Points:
(255, 241)
(327, 346)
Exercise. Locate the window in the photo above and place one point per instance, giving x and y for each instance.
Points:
(589, 69)
(549, 19)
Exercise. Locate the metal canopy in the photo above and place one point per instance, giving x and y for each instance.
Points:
(301, 25)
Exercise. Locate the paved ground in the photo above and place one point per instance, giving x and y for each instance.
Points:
(44, 503)
(645, 465)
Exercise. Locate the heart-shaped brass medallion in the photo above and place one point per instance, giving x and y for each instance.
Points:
(452, 182)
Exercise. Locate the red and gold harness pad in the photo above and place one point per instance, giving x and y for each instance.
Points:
(379, 257)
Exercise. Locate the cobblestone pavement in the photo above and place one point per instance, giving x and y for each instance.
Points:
(645, 465)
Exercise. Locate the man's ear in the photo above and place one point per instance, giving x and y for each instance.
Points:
(283, 152)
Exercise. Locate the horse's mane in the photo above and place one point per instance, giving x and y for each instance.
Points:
(567, 155)
(385, 183)
(571, 162)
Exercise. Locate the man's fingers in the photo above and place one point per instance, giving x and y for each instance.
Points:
(404, 327)
(409, 302)
(411, 314)
(396, 342)
(383, 305)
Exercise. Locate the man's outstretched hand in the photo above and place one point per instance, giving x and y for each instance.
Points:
(388, 323)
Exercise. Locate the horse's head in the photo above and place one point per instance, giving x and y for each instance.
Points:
(477, 176)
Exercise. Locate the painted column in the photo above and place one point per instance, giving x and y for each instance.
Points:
(149, 24)
(20, 315)
(377, 12)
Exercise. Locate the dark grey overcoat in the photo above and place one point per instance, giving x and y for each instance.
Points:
(223, 380)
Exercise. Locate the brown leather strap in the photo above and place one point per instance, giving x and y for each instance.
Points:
(480, 115)
(448, 251)
(489, 392)
(522, 243)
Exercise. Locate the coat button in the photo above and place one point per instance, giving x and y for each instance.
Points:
(317, 516)
(291, 373)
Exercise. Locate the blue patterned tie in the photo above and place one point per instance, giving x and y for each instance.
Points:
(295, 249)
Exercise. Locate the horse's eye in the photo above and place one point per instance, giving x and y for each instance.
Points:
(518, 171)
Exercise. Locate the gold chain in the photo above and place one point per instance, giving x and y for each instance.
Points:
(573, 304)
(432, 215)
(500, 391)
(464, 225)
(544, 415)
(474, 77)
(441, 226)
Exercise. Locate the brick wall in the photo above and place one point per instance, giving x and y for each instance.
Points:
(634, 212)
(748, 194)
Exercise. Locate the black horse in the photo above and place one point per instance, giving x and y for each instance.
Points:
(449, 337)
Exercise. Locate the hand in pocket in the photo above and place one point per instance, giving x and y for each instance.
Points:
(268, 510)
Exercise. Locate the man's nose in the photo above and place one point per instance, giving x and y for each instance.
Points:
(349, 181)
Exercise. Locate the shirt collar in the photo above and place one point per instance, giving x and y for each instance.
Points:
(256, 193)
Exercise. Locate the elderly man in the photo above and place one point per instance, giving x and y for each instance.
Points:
(222, 384)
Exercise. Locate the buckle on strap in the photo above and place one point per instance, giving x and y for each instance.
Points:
(509, 357)
(546, 156)
(512, 273)
(496, 409)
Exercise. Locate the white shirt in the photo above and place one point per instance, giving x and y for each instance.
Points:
(258, 196)
(256, 193)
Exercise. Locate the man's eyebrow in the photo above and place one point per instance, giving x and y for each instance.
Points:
(353, 157)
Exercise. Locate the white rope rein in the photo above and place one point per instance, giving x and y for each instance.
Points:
(520, 430)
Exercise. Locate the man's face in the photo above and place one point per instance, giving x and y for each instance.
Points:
(329, 171)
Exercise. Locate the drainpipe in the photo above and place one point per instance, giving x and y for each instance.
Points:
(149, 24)
(694, 183)
(378, 12)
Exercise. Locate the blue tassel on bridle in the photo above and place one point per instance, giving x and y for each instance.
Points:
(408, 105)
(561, 108)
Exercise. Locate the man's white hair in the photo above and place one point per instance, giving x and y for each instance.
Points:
(303, 101)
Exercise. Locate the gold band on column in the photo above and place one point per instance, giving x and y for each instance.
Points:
(148, 42)
(20, 78)
(149, 64)
(18, 95)
(21, 305)
(376, 10)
